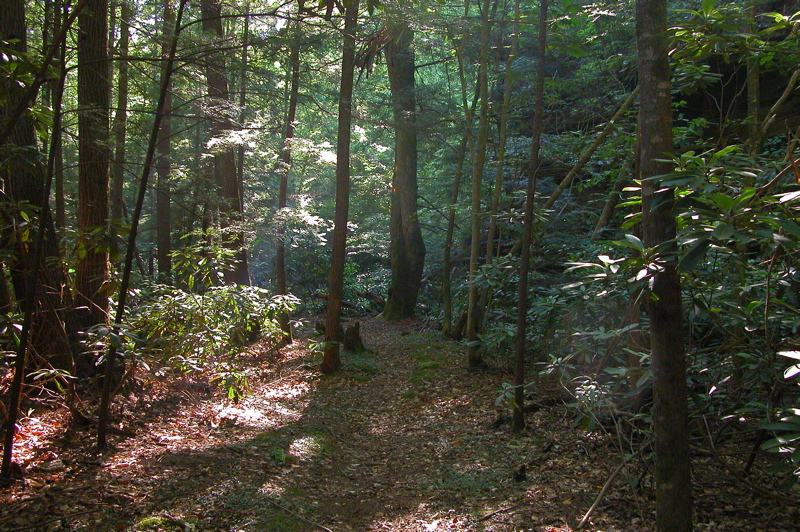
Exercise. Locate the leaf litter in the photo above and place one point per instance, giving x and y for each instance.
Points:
(403, 438)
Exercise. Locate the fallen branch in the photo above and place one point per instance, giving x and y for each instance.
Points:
(607, 485)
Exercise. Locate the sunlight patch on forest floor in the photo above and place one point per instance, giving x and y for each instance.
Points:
(352, 451)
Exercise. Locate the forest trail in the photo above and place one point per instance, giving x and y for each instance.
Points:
(401, 439)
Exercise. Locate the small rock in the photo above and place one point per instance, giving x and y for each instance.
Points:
(53, 465)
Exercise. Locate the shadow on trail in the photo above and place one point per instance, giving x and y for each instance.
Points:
(376, 446)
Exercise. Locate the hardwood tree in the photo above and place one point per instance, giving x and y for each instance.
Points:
(94, 90)
(33, 256)
(672, 473)
(407, 246)
(286, 165)
(478, 162)
(221, 117)
(164, 148)
(120, 122)
(331, 360)
(527, 231)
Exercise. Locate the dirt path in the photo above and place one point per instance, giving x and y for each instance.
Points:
(401, 439)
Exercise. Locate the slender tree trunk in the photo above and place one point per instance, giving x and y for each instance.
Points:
(240, 151)
(41, 292)
(464, 147)
(163, 161)
(330, 360)
(130, 251)
(672, 473)
(473, 346)
(613, 199)
(588, 152)
(486, 293)
(91, 275)
(407, 246)
(224, 158)
(286, 165)
(121, 116)
(754, 138)
(56, 96)
(527, 231)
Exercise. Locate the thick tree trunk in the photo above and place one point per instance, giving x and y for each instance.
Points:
(91, 275)
(527, 231)
(228, 186)
(330, 359)
(163, 153)
(672, 474)
(41, 292)
(407, 247)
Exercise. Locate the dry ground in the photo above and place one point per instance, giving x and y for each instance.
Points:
(401, 439)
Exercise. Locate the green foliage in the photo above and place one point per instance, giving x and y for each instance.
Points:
(188, 330)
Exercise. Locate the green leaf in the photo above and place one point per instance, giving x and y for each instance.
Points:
(707, 7)
(695, 254)
(723, 231)
(634, 242)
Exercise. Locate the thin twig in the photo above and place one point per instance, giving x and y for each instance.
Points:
(501, 510)
(607, 485)
(300, 517)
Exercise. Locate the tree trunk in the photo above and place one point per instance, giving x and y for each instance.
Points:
(613, 200)
(163, 153)
(754, 138)
(464, 147)
(120, 123)
(286, 165)
(224, 155)
(407, 247)
(588, 152)
(527, 231)
(41, 292)
(473, 346)
(672, 472)
(331, 360)
(91, 272)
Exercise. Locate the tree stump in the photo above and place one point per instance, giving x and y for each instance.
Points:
(352, 339)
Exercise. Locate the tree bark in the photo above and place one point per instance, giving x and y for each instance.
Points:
(286, 165)
(228, 186)
(163, 161)
(527, 231)
(407, 246)
(672, 471)
(464, 147)
(613, 200)
(330, 359)
(588, 152)
(121, 116)
(94, 90)
(473, 346)
(41, 292)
